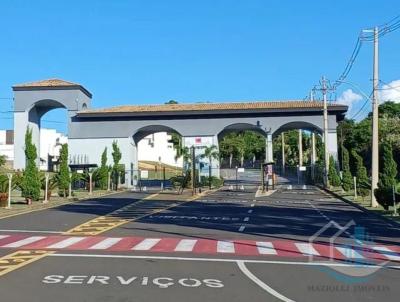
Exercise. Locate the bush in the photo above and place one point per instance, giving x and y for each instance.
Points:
(385, 197)
(215, 181)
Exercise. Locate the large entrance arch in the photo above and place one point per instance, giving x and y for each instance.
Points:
(91, 130)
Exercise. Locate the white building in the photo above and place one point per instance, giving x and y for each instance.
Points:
(156, 148)
(7, 146)
(50, 145)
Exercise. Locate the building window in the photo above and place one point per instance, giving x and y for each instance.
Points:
(10, 137)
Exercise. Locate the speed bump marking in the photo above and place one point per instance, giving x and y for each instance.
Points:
(19, 259)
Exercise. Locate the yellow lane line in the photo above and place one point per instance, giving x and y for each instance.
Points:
(19, 259)
(104, 223)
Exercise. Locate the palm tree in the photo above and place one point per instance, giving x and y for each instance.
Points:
(184, 152)
(210, 152)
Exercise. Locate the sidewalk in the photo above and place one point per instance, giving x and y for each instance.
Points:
(364, 204)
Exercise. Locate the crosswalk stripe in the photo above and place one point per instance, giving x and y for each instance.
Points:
(105, 244)
(65, 243)
(265, 248)
(349, 252)
(225, 247)
(25, 241)
(388, 253)
(4, 236)
(306, 249)
(146, 244)
(185, 245)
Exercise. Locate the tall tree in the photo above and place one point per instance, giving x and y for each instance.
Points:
(116, 154)
(63, 176)
(2, 160)
(334, 179)
(103, 171)
(387, 178)
(361, 175)
(31, 178)
(347, 181)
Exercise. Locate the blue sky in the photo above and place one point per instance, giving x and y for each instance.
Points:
(139, 52)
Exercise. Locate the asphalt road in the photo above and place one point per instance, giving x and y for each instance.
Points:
(226, 246)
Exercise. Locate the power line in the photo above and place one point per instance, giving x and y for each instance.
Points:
(385, 28)
(362, 107)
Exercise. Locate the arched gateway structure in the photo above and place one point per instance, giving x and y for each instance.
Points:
(91, 130)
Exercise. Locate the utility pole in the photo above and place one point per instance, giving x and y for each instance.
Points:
(324, 91)
(375, 139)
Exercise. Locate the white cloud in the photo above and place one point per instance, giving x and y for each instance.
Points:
(349, 98)
(390, 92)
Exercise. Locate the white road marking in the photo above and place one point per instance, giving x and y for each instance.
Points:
(327, 264)
(388, 253)
(4, 236)
(241, 229)
(246, 219)
(146, 244)
(306, 249)
(31, 231)
(25, 241)
(185, 245)
(261, 284)
(265, 248)
(250, 211)
(105, 244)
(225, 247)
(65, 243)
(349, 252)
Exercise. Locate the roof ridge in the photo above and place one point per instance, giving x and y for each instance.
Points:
(48, 83)
(136, 108)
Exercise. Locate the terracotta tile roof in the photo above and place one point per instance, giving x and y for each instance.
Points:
(295, 104)
(51, 83)
(47, 83)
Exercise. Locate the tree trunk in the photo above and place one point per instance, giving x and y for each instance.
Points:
(230, 160)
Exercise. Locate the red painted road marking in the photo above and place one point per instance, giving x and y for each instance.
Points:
(282, 248)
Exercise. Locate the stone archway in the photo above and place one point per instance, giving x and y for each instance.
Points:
(33, 100)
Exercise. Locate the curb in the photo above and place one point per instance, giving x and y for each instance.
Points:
(388, 220)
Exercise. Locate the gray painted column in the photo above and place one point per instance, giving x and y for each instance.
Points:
(283, 153)
(268, 149)
(20, 125)
(332, 144)
(300, 148)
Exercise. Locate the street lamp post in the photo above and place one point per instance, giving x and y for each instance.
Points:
(10, 176)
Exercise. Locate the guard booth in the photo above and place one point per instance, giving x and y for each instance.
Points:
(268, 176)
